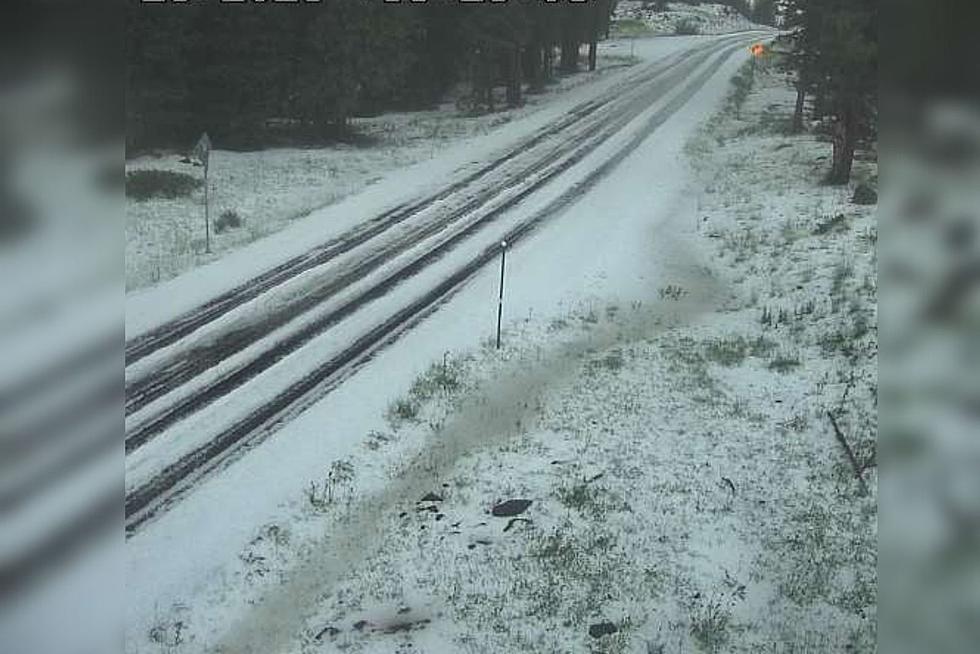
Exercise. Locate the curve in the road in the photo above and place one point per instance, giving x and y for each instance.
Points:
(154, 386)
(168, 486)
(145, 344)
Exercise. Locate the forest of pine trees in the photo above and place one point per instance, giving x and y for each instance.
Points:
(835, 63)
(247, 72)
(253, 72)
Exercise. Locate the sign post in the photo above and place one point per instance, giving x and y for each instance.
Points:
(500, 299)
(203, 153)
(758, 50)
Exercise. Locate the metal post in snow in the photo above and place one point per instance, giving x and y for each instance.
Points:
(203, 153)
(207, 220)
(500, 299)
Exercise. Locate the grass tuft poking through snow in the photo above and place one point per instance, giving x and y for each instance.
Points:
(142, 185)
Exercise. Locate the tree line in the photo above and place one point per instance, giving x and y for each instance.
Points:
(247, 72)
(835, 64)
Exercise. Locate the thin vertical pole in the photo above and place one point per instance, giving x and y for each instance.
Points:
(500, 299)
(207, 221)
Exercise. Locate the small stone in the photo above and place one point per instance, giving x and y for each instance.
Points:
(431, 497)
(600, 629)
(510, 508)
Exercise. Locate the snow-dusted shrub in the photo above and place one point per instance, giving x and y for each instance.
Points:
(145, 184)
(227, 220)
(402, 410)
(687, 26)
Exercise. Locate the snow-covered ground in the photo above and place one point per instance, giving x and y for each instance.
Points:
(273, 188)
(640, 16)
(672, 346)
(149, 307)
(201, 428)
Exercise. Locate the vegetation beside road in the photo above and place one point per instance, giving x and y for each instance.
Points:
(684, 485)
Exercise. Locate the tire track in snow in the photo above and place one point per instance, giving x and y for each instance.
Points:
(499, 411)
(199, 361)
(177, 478)
(170, 332)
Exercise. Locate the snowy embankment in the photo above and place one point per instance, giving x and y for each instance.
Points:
(687, 491)
(706, 18)
(272, 189)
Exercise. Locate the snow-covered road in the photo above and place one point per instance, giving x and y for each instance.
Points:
(578, 234)
(267, 356)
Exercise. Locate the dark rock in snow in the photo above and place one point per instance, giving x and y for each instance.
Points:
(406, 625)
(600, 629)
(864, 194)
(360, 624)
(431, 497)
(510, 508)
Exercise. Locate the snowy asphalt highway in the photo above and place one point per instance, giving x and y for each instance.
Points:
(205, 387)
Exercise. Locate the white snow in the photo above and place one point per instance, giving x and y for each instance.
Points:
(201, 427)
(611, 247)
(275, 189)
(710, 18)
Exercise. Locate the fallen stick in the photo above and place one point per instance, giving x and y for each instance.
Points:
(730, 484)
(850, 453)
(511, 522)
